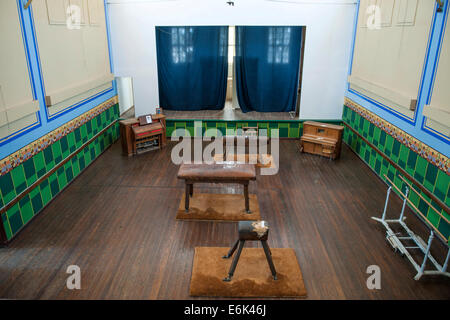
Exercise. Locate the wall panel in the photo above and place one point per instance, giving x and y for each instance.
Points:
(438, 109)
(389, 57)
(56, 11)
(74, 57)
(16, 92)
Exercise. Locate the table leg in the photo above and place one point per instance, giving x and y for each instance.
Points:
(247, 200)
(186, 197)
(191, 189)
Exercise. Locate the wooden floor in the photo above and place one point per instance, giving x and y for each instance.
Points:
(117, 223)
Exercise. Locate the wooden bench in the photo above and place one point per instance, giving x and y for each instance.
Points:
(225, 172)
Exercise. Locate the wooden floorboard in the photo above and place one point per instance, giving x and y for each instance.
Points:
(116, 221)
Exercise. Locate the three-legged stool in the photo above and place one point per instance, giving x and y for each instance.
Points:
(250, 231)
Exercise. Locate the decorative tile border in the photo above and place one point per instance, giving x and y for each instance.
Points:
(431, 155)
(15, 159)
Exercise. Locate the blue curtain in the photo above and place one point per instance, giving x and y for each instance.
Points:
(267, 67)
(192, 67)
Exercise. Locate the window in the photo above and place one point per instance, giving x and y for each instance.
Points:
(182, 48)
(279, 42)
(231, 43)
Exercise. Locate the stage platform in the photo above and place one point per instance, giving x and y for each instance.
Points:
(228, 120)
(228, 114)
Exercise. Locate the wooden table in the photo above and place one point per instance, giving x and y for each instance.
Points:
(217, 173)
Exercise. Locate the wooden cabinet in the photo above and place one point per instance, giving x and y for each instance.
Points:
(322, 139)
(130, 128)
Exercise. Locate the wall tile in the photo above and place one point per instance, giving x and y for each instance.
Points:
(18, 176)
(26, 209)
(7, 188)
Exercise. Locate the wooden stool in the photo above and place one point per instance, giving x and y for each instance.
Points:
(250, 231)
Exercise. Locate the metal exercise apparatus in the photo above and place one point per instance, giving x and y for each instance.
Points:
(250, 231)
(395, 239)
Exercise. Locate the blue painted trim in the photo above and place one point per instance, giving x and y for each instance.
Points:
(108, 36)
(80, 103)
(38, 122)
(427, 56)
(355, 30)
(382, 106)
(436, 63)
(21, 132)
(87, 100)
(27, 49)
(417, 129)
(37, 55)
(433, 132)
(424, 126)
(72, 107)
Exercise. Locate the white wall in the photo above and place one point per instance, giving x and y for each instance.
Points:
(125, 93)
(327, 50)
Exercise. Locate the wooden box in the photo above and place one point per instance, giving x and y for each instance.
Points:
(322, 139)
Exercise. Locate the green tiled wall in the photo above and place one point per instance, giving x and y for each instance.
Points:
(430, 176)
(287, 129)
(21, 177)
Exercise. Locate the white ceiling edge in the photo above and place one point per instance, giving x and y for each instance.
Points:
(315, 2)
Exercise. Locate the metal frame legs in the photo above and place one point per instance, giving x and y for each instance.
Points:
(239, 244)
(395, 241)
(269, 259)
(235, 259)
